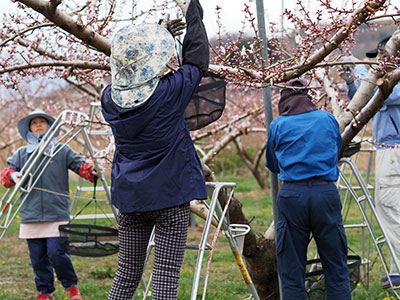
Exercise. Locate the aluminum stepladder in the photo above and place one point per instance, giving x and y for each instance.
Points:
(233, 232)
(371, 227)
(33, 169)
(94, 110)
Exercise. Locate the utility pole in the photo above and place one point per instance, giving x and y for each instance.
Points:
(268, 109)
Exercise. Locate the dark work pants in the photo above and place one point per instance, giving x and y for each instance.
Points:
(46, 254)
(311, 207)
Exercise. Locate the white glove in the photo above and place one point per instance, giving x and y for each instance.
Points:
(183, 5)
(16, 177)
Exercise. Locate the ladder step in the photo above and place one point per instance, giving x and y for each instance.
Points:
(99, 132)
(94, 216)
(355, 225)
(365, 261)
(380, 240)
(362, 198)
(196, 247)
(89, 188)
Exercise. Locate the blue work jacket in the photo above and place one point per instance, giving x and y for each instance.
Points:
(386, 122)
(155, 164)
(304, 146)
(54, 205)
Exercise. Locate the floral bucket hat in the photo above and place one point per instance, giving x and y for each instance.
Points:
(139, 54)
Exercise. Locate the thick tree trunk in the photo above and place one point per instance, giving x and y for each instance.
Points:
(258, 250)
(260, 257)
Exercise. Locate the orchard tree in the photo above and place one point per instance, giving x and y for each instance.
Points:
(67, 43)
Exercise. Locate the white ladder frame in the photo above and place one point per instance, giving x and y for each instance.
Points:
(10, 203)
(233, 232)
(366, 201)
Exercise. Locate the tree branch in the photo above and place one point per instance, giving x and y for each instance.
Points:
(25, 30)
(368, 85)
(86, 34)
(373, 106)
(81, 64)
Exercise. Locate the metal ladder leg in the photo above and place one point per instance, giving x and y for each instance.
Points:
(216, 208)
(215, 211)
(363, 202)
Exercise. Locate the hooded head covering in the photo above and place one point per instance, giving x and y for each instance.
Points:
(24, 123)
(295, 101)
(139, 54)
(374, 52)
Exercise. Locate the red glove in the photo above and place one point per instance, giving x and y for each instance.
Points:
(6, 178)
(86, 171)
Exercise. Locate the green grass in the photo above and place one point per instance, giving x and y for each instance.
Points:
(224, 283)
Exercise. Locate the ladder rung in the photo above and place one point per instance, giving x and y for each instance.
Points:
(362, 198)
(196, 247)
(365, 261)
(380, 240)
(94, 216)
(99, 132)
(355, 225)
(89, 188)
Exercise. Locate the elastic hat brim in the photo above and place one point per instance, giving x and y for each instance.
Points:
(125, 98)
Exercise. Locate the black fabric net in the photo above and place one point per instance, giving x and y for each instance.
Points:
(88, 240)
(315, 279)
(207, 103)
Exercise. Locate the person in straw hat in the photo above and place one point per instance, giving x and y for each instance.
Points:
(47, 207)
(156, 171)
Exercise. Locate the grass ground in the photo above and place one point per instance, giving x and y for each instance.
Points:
(225, 281)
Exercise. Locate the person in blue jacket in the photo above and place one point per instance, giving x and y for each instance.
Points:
(386, 131)
(303, 146)
(156, 171)
(47, 205)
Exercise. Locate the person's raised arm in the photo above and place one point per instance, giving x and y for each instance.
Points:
(195, 49)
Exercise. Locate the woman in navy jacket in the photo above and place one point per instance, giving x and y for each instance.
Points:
(156, 171)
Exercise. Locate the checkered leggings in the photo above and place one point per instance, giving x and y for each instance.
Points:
(171, 227)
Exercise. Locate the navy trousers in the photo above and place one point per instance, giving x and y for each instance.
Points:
(46, 254)
(311, 207)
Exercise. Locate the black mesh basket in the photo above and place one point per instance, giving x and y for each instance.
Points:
(207, 103)
(89, 240)
(315, 279)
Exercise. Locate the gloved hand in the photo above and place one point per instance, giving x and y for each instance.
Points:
(86, 171)
(16, 177)
(183, 5)
(7, 177)
(174, 26)
(346, 73)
